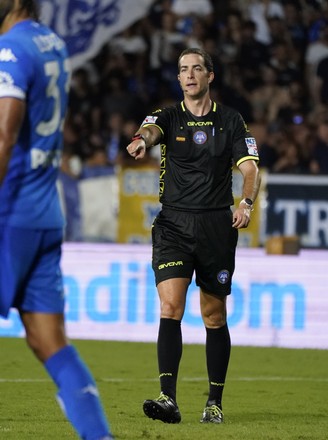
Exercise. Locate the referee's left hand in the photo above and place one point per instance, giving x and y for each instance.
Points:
(241, 217)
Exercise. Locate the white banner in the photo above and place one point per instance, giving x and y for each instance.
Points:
(86, 25)
(277, 300)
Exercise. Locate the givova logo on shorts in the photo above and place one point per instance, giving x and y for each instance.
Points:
(170, 264)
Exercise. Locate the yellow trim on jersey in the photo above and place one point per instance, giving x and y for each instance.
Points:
(243, 159)
(214, 106)
(154, 125)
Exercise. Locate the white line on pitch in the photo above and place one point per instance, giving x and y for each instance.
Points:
(185, 379)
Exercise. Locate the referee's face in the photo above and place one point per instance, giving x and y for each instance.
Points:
(193, 76)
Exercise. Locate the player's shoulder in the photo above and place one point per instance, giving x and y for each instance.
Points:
(16, 43)
(29, 37)
(13, 53)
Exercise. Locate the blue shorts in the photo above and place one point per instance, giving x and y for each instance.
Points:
(30, 274)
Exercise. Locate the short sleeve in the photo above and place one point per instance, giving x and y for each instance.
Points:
(244, 144)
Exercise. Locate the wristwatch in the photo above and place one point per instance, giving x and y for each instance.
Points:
(248, 202)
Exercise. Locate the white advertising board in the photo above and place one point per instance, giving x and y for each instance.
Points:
(277, 300)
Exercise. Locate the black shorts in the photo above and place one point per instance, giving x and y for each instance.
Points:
(203, 242)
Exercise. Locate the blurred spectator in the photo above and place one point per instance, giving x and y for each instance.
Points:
(188, 11)
(281, 60)
(157, 10)
(315, 52)
(197, 34)
(320, 84)
(287, 149)
(252, 56)
(267, 97)
(84, 107)
(230, 37)
(296, 107)
(290, 160)
(95, 162)
(211, 47)
(163, 40)
(269, 149)
(235, 95)
(189, 7)
(129, 42)
(259, 11)
(278, 32)
(72, 153)
(285, 155)
(116, 98)
(295, 27)
(304, 136)
(114, 138)
(319, 162)
(315, 14)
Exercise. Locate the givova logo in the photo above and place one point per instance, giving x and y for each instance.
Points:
(170, 264)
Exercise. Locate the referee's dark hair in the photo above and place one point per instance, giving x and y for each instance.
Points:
(208, 63)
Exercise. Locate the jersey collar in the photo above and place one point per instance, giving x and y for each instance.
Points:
(214, 106)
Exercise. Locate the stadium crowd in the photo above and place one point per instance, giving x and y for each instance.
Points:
(271, 61)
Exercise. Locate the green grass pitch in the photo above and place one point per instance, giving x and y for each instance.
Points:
(270, 393)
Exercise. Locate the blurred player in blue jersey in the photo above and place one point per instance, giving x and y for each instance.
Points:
(34, 81)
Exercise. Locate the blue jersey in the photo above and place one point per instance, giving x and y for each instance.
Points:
(34, 68)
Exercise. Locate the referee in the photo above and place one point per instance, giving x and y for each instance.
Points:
(196, 230)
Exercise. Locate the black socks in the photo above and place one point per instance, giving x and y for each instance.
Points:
(218, 347)
(169, 351)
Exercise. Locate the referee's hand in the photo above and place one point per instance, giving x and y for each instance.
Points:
(137, 149)
(241, 217)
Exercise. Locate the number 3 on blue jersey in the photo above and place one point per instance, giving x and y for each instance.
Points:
(52, 70)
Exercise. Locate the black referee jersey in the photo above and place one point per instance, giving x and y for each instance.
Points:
(198, 154)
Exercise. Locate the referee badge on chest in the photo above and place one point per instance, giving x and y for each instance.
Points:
(200, 137)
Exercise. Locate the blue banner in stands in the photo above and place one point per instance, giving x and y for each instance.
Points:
(86, 25)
